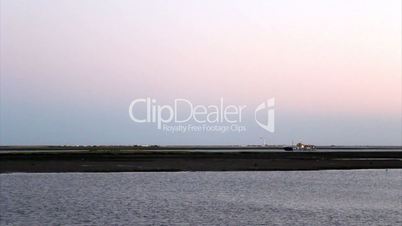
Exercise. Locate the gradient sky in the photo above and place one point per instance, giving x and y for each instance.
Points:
(70, 68)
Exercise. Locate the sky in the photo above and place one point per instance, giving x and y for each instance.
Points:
(70, 69)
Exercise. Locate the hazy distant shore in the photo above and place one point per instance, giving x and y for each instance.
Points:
(182, 147)
(119, 159)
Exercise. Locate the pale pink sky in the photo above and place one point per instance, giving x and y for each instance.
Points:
(317, 58)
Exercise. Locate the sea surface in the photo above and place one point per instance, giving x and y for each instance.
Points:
(339, 197)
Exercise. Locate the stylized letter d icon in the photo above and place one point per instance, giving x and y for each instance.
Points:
(268, 106)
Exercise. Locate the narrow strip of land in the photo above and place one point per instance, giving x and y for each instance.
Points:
(180, 160)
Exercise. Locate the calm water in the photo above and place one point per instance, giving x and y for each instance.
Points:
(359, 197)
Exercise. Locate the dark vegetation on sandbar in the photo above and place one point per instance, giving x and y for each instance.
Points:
(191, 158)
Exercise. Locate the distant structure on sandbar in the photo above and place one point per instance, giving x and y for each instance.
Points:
(301, 146)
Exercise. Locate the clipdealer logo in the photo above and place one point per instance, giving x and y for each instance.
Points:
(267, 108)
(184, 116)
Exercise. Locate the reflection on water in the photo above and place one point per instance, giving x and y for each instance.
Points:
(296, 197)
